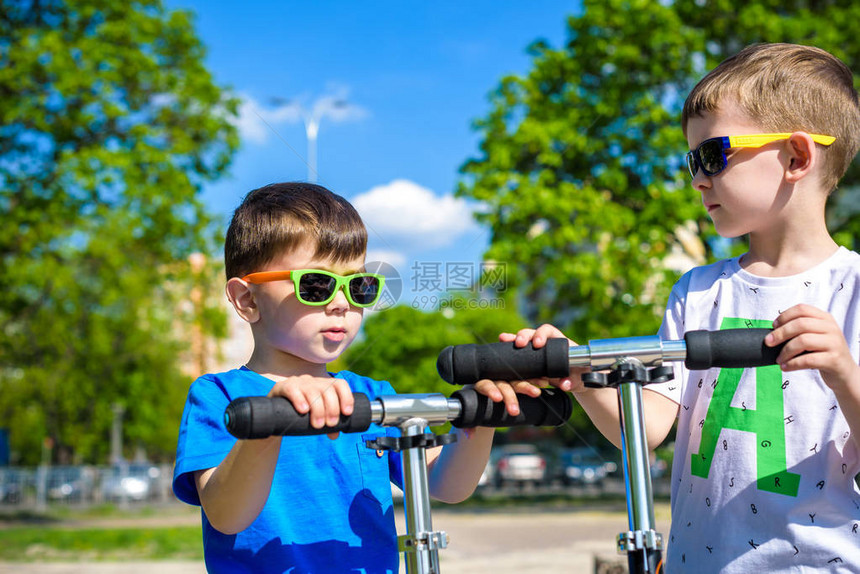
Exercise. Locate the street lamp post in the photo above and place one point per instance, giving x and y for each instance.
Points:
(312, 118)
(116, 434)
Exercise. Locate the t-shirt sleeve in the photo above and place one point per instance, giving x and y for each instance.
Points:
(203, 438)
(672, 329)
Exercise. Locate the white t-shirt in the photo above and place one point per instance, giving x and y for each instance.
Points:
(764, 464)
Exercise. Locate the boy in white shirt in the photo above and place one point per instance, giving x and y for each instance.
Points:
(765, 458)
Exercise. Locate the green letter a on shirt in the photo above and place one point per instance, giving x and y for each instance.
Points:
(766, 421)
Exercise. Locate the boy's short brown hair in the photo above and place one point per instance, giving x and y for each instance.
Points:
(788, 88)
(282, 216)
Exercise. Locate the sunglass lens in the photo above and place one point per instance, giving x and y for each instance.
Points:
(364, 290)
(316, 287)
(711, 156)
(692, 166)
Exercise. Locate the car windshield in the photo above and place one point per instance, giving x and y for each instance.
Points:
(583, 458)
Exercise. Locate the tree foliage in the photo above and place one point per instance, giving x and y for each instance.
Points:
(109, 124)
(581, 159)
(401, 344)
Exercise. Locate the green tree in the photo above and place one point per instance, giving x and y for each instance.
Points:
(581, 159)
(109, 124)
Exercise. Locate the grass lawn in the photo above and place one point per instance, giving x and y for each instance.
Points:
(173, 533)
(101, 533)
(170, 543)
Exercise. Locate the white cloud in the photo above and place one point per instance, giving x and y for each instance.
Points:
(257, 122)
(390, 256)
(403, 211)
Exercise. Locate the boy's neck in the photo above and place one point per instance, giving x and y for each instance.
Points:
(795, 240)
(773, 257)
(284, 366)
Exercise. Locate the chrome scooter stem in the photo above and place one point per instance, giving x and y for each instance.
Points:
(420, 545)
(641, 542)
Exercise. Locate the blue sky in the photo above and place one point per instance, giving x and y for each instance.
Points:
(414, 77)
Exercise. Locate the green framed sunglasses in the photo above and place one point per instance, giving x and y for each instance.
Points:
(318, 287)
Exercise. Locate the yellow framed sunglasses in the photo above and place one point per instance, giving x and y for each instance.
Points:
(710, 156)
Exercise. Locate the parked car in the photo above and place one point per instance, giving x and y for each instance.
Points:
(584, 465)
(130, 482)
(70, 483)
(520, 464)
(10, 493)
(11, 486)
(488, 477)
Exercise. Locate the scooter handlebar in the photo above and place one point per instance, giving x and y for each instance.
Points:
(730, 348)
(468, 364)
(261, 417)
(551, 408)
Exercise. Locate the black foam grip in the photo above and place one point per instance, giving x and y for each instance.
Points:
(729, 348)
(468, 364)
(261, 417)
(551, 408)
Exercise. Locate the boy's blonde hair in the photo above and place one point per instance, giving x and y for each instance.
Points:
(788, 88)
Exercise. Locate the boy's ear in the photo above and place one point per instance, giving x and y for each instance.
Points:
(242, 297)
(802, 156)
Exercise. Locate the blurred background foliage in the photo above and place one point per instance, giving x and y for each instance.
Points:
(110, 124)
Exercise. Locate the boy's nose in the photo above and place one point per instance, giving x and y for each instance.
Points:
(340, 302)
(701, 181)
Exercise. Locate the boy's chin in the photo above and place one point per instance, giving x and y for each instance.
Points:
(333, 349)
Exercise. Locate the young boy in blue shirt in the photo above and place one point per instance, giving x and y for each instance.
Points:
(294, 255)
(765, 458)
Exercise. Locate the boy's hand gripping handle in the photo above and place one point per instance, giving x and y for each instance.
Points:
(261, 417)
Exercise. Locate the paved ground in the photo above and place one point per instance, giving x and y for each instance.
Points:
(519, 542)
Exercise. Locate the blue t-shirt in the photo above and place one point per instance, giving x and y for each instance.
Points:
(329, 509)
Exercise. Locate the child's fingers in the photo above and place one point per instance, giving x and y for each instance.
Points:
(323, 404)
(294, 394)
(799, 319)
(529, 388)
(795, 345)
(323, 400)
(509, 396)
(563, 384)
(812, 350)
(537, 337)
(787, 330)
(798, 311)
(489, 389)
(544, 332)
(317, 410)
(344, 395)
(523, 337)
(331, 403)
